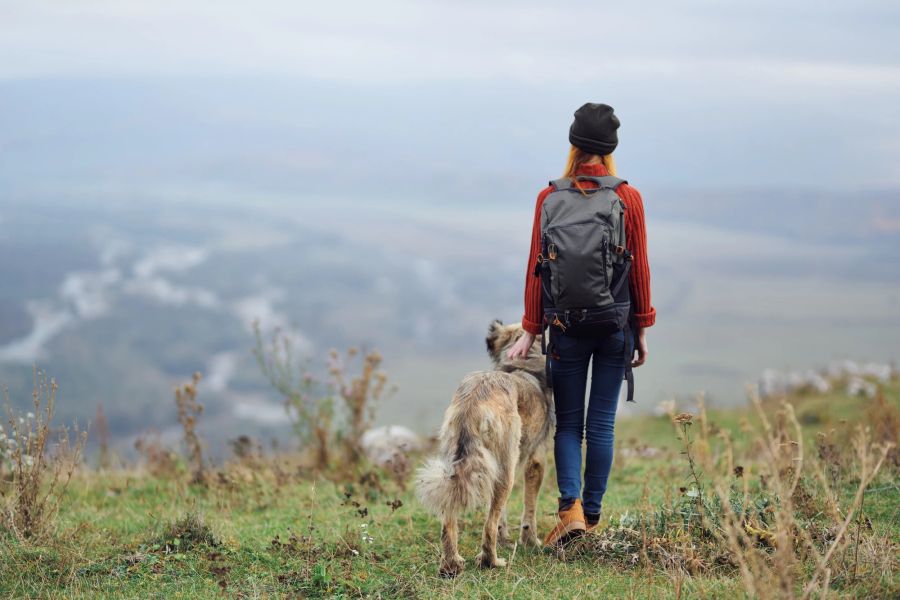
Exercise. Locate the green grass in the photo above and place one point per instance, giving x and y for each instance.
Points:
(126, 535)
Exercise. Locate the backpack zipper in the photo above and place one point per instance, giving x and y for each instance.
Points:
(605, 251)
(578, 223)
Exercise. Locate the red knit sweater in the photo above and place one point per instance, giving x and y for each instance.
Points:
(636, 236)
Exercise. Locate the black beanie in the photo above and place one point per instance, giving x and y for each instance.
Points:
(594, 129)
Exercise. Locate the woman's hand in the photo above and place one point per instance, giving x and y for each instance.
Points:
(640, 348)
(522, 346)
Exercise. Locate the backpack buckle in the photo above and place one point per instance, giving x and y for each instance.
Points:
(619, 249)
(558, 323)
(551, 251)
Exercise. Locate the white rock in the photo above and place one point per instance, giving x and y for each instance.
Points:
(665, 407)
(880, 372)
(382, 444)
(857, 386)
(842, 368)
(771, 383)
(816, 382)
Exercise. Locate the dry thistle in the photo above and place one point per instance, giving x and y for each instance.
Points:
(683, 418)
(100, 428)
(188, 412)
(158, 459)
(359, 394)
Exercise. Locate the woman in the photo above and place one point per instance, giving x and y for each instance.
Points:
(593, 137)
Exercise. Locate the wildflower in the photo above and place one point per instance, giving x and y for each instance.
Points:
(29, 416)
(684, 418)
(739, 471)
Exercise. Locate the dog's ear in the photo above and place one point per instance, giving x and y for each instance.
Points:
(491, 339)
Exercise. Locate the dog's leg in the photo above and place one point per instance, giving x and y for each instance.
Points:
(488, 556)
(534, 475)
(452, 564)
(503, 529)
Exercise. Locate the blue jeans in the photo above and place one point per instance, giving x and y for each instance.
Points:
(569, 364)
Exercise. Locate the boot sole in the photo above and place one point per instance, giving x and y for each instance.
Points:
(571, 531)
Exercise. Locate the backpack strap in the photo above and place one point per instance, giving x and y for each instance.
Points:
(563, 183)
(630, 346)
(607, 181)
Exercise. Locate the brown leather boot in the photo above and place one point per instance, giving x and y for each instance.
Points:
(569, 525)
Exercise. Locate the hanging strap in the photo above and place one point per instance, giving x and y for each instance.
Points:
(629, 353)
(545, 348)
(623, 277)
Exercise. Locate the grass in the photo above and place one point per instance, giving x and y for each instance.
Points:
(129, 534)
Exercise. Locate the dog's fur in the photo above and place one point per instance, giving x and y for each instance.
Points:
(498, 422)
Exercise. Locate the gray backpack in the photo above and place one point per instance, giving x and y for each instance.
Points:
(584, 263)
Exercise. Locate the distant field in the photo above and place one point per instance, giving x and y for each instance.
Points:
(274, 531)
(122, 299)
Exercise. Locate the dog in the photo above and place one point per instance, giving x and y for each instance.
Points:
(497, 425)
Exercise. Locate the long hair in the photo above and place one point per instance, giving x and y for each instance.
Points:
(578, 157)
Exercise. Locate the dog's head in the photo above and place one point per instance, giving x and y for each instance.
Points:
(501, 337)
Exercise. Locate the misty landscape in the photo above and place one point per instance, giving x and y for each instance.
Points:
(378, 191)
(122, 275)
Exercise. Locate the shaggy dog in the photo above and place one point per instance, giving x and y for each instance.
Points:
(498, 422)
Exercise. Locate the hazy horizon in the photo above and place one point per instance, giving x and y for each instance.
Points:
(366, 174)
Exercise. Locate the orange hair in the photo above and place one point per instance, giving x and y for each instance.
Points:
(578, 157)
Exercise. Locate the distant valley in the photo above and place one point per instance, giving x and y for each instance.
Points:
(121, 299)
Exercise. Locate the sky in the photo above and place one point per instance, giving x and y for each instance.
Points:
(710, 93)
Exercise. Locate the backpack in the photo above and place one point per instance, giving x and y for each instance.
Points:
(584, 264)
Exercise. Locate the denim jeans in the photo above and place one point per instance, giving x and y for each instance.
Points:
(569, 364)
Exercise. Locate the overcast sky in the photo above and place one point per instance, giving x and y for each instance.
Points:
(795, 92)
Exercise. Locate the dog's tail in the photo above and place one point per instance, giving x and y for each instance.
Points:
(448, 484)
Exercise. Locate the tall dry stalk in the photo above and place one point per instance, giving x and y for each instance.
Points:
(100, 432)
(311, 414)
(38, 470)
(189, 409)
(359, 394)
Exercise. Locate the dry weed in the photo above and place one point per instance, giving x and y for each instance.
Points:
(771, 513)
(36, 470)
(157, 458)
(100, 432)
(359, 394)
(188, 412)
(780, 556)
(338, 409)
(310, 413)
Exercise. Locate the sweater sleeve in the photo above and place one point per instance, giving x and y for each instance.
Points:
(639, 278)
(533, 320)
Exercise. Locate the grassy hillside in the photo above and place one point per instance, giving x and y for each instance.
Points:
(264, 527)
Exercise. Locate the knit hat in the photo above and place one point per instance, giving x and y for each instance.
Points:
(594, 129)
